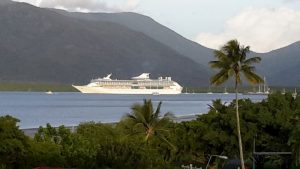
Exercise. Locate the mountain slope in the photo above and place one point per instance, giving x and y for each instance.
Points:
(282, 66)
(43, 45)
(151, 28)
(279, 66)
(40, 45)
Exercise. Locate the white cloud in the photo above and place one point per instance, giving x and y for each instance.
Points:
(288, 1)
(132, 3)
(33, 2)
(86, 5)
(262, 29)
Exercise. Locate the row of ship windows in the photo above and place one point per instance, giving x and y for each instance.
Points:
(147, 87)
(139, 84)
(137, 87)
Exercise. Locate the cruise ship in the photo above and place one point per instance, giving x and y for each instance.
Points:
(141, 84)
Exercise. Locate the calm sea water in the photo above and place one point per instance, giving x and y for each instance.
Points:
(36, 109)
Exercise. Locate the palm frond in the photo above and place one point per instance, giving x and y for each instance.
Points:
(252, 60)
(133, 133)
(215, 64)
(161, 123)
(142, 127)
(161, 137)
(139, 117)
(157, 112)
(218, 64)
(247, 68)
(231, 72)
(144, 121)
(136, 108)
(131, 117)
(147, 110)
(238, 78)
(231, 48)
(169, 115)
(219, 54)
(220, 77)
(243, 52)
(252, 77)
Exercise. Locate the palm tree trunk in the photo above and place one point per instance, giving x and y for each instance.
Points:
(238, 124)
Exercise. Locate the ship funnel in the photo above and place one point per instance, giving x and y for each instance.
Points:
(142, 76)
(107, 77)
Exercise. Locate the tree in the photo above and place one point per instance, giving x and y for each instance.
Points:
(60, 147)
(294, 142)
(232, 62)
(133, 155)
(14, 144)
(143, 120)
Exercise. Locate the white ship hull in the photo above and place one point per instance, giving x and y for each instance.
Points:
(141, 84)
(102, 90)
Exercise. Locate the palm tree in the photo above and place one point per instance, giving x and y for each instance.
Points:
(143, 120)
(232, 62)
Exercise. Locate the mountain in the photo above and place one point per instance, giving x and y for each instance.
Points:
(40, 45)
(269, 67)
(5, 2)
(153, 29)
(282, 66)
(55, 46)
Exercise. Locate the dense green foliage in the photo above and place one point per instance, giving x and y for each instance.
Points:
(144, 121)
(14, 145)
(273, 123)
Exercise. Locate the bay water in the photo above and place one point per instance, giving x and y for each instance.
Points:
(35, 109)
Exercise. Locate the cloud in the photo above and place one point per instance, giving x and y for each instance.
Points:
(86, 5)
(290, 1)
(262, 29)
(33, 2)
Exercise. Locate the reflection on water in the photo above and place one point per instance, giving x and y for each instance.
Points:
(37, 108)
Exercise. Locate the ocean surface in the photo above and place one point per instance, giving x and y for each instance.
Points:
(36, 109)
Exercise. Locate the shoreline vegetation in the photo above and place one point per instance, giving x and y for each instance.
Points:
(143, 140)
(45, 87)
(176, 119)
(36, 87)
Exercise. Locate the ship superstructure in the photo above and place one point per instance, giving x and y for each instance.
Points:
(141, 84)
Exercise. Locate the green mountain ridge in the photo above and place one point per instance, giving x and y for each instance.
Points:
(276, 65)
(39, 45)
(56, 46)
(153, 29)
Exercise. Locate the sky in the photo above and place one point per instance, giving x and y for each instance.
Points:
(264, 25)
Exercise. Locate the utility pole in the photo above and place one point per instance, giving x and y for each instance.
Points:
(254, 152)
